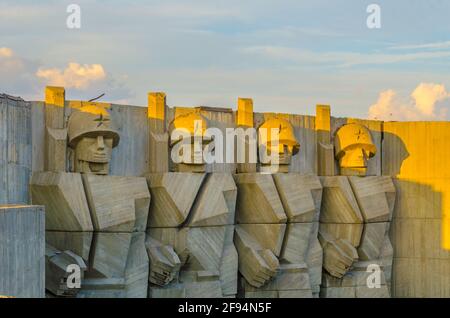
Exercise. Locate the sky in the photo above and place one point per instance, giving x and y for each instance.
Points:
(288, 55)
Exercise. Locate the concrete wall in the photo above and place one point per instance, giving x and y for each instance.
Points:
(22, 250)
(15, 149)
(416, 155)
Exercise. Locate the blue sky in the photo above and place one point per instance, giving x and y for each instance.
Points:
(287, 55)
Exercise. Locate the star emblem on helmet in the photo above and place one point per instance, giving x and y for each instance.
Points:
(101, 120)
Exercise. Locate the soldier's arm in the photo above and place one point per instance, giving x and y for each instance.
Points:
(256, 264)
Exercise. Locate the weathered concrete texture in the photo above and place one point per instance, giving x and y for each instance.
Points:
(276, 235)
(130, 158)
(22, 251)
(190, 235)
(101, 220)
(354, 234)
(15, 149)
(416, 155)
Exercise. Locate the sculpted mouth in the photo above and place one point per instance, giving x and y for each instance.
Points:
(99, 157)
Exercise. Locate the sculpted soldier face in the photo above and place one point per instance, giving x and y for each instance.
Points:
(92, 138)
(355, 158)
(277, 136)
(93, 154)
(283, 153)
(353, 149)
(187, 152)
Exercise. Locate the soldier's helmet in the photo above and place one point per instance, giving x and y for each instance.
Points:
(91, 121)
(353, 147)
(285, 135)
(193, 123)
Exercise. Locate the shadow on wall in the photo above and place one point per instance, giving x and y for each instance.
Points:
(421, 266)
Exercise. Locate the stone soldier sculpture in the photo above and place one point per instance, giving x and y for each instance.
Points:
(277, 217)
(191, 221)
(354, 221)
(93, 220)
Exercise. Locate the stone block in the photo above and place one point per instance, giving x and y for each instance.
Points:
(22, 250)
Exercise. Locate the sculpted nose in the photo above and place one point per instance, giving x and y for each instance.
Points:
(100, 143)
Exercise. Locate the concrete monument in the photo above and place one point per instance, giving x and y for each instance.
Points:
(354, 221)
(277, 216)
(94, 221)
(191, 222)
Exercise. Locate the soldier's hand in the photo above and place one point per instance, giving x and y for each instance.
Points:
(164, 264)
(258, 266)
(338, 257)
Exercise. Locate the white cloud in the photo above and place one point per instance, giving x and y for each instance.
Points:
(5, 52)
(16, 77)
(73, 76)
(10, 62)
(85, 81)
(427, 96)
(428, 101)
(27, 79)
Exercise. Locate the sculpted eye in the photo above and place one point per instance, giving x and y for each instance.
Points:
(108, 142)
(89, 141)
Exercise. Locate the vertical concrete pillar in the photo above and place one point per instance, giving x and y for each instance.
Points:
(244, 120)
(325, 149)
(158, 146)
(55, 98)
(157, 111)
(245, 112)
(56, 132)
